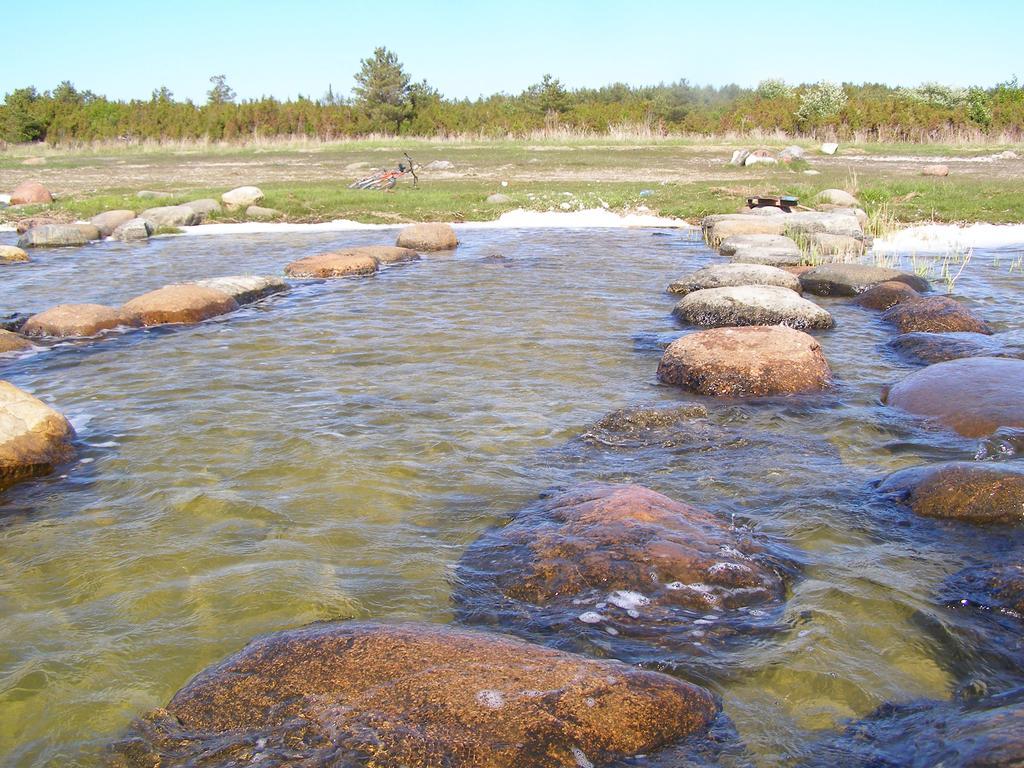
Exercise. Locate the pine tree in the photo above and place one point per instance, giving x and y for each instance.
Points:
(383, 91)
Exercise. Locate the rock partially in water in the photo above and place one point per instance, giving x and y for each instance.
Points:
(172, 216)
(89, 231)
(133, 230)
(887, 294)
(12, 342)
(53, 235)
(976, 492)
(24, 225)
(781, 245)
(185, 303)
(498, 199)
(930, 348)
(430, 236)
(108, 221)
(978, 733)
(245, 289)
(851, 279)
(935, 314)
(335, 264)
(723, 275)
(751, 305)
(718, 229)
(828, 244)
(241, 197)
(149, 194)
(76, 320)
(415, 696)
(997, 588)
(974, 396)
(811, 222)
(30, 193)
(755, 361)
(622, 570)
(636, 425)
(11, 254)
(34, 438)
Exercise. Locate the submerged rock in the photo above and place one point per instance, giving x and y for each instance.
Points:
(12, 342)
(974, 396)
(76, 320)
(722, 275)
(751, 305)
(34, 438)
(185, 303)
(241, 197)
(245, 289)
(108, 221)
(887, 294)
(10, 254)
(998, 588)
(415, 696)
(755, 361)
(771, 250)
(53, 235)
(431, 236)
(976, 492)
(935, 314)
(979, 733)
(623, 569)
(387, 254)
(30, 193)
(851, 279)
(336, 264)
(929, 348)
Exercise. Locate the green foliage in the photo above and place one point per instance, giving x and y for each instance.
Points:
(548, 96)
(774, 89)
(221, 92)
(384, 92)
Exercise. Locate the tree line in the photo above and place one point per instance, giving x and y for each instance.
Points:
(386, 100)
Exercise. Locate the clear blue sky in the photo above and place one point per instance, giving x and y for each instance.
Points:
(126, 48)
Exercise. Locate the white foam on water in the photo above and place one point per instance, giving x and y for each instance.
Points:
(627, 600)
(942, 238)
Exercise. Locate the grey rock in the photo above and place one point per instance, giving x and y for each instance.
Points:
(724, 275)
(134, 230)
(246, 289)
(108, 221)
(751, 305)
(809, 222)
(241, 197)
(439, 165)
(257, 212)
(498, 199)
(172, 216)
(772, 250)
(851, 279)
(838, 197)
(150, 194)
(204, 206)
(53, 235)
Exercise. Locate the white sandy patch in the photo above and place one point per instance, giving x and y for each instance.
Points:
(596, 218)
(932, 159)
(940, 238)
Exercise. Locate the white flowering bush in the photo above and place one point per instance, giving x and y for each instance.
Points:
(774, 89)
(821, 100)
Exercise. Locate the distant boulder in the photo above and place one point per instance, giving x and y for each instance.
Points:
(204, 206)
(829, 148)
(498, 199)
(172, 216)
(153, 195)
(838, 197)
(136, 229)
(935, 170)
(431, 236)
(241, 197)
(258, 212)
(108, 221)
(30, 193)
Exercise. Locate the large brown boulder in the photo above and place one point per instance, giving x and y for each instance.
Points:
(335, 264)
(851, 279)
(881, 296)
(185, 303)
(751, 305)
(430, 236)
(76, 320)
(30, 193)
(935, 314)
(974, 396)
(34, 438)
(976, 492)
(624, 568)
(12, 342)
(11, 254)
(415, 696)
(108, 221)
(753, 361)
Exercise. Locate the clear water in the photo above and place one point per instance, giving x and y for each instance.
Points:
(332, 451)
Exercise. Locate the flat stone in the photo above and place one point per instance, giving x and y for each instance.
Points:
(974, 396)
(363, 693)
(972, 491)
(751, 305)
(185, 303)
(12, 342)
(930, 348)
(432, 236)
(77, 320)
(723, 275)
(851, 279)
(11, 254)
(755, 361)
(935, 314)
(810, 222)
(53, 235)
(172, 216)
(34, 438)
(338, 264)
(30, 193)
(887, 294)
(108, 221)
(385, 254)
(722, 229)
(826, 244)
(134, 230)
(838, 197)
(258, 212)
(204, 206)
(241, 197)
(245, 289)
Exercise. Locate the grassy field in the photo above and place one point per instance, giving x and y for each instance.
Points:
(684, 178)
